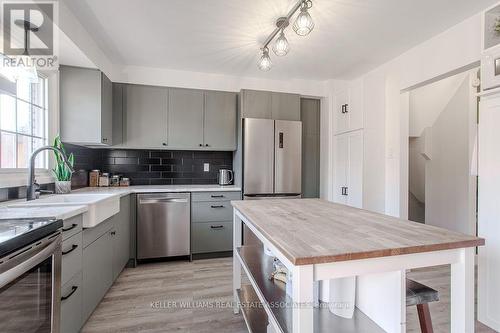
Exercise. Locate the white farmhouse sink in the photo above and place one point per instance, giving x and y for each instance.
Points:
(100, 206)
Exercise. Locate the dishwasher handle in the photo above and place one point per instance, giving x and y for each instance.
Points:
(162, 200)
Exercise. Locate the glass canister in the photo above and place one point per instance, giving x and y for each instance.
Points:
(94, 178)
(125, 181)
(104, 180)
(114, 181)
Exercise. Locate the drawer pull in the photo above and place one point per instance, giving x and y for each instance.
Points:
(217, 196)
(73, 289)
(73, 226)
(216, 226)
(217, 206)
(73, 248)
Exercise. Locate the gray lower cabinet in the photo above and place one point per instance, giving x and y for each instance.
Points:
(144, 116)
(220, 120)
(212, 237)
(71, 275)
(121, 237)
(97, 272)
(71, 257)
(185, 118)
(211, 221)
(106, 251)
(71, 305)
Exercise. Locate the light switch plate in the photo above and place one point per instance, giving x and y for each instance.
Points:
(206, 167)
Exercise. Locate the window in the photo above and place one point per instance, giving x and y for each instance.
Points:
(23, 124)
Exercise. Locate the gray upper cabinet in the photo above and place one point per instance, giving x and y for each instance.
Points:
(86, 106)
(174, 118)
(256, 104)
(285, 106)
(185, 118)
(145, 116)
(118, 89)
(220, 120)
(270, 105)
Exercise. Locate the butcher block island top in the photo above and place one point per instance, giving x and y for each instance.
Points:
(315, 231)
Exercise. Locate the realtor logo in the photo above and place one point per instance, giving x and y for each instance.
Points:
(28, 29)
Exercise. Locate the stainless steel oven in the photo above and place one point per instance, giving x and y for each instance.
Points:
(30, 287)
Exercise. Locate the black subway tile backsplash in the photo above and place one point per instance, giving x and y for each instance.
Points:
(153, 167)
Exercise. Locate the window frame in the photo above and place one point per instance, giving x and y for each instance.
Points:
(13, 177)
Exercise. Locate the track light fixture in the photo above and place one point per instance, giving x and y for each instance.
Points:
(302, 26)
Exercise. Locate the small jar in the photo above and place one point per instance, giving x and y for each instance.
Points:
(114, 181)
(94, 178)
(104, 180)
(125, 181)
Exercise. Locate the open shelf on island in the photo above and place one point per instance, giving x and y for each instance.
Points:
(251, 307)
(278, 305)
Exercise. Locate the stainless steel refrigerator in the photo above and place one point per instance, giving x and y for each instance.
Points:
(272, 158)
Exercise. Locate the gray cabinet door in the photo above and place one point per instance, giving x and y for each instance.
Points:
(185, 118)
(117, 91)
(71, 305)
(256, 104)
(97, 272)
(80, 105)
(145, 119)
(220, 120)
(121, 237)
(285, 106)
(106, 110)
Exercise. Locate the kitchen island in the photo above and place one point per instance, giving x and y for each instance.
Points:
(317, 240)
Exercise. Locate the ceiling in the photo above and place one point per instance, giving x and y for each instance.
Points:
(224, 36)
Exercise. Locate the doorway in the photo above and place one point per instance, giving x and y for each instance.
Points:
(441, 153)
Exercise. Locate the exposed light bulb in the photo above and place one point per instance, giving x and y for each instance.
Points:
(265, 61)
(281, 46)
(304, 24)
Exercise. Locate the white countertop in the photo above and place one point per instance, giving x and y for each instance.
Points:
(158, 189)
(65, 212)
(60, 212)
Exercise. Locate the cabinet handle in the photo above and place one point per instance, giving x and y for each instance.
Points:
(207, 145)
(344, 190)
(73, 248)
(73, 289)
(201, 144)
(164, 143)
(216, 226)
(217, 196)
(218, 206)
(104, 139)
(113, 233)
(73, 226)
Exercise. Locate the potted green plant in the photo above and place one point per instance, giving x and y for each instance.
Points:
(61, 171)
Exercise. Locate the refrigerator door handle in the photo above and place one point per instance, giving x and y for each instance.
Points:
(281, 140)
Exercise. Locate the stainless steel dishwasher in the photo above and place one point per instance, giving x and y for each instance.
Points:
(163, 225)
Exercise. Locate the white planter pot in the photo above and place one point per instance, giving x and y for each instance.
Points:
(63, 187)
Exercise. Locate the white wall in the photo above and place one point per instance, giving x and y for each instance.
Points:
(447, 173)
(417, 168)
(427, 102)
(386, 117)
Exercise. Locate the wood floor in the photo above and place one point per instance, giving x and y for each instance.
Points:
(150, 298)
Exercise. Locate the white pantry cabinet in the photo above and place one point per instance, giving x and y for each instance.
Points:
(489, 212)
(349, 107)
(348, 169)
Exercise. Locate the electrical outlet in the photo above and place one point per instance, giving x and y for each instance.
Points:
(206, 167)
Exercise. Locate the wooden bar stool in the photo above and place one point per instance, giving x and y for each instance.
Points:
(421, 295)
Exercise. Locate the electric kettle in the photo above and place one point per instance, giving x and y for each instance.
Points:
(225, 177)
